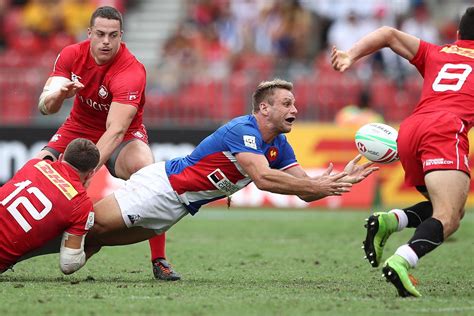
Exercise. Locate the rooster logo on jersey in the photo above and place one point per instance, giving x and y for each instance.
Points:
(272, 154)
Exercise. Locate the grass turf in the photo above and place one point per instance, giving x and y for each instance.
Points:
(249, 262)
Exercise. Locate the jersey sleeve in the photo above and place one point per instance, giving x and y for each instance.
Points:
(128, 86)
(63, 63)
(82, 218)
(421, 56)
(287, 157)
(243, 138)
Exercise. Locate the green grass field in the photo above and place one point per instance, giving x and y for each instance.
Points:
(253, 262)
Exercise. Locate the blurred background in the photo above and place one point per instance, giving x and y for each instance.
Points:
(205, 57)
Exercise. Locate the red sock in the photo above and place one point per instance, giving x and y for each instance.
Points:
(158, 246)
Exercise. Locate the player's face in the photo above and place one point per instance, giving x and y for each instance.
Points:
(105, 37)
(283, 112)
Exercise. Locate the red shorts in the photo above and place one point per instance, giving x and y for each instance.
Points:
(435, 141)
(70, 131)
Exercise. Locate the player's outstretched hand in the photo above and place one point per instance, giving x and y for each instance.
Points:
(331, 184)
(340, 60)
(356, 173)
(70, 88)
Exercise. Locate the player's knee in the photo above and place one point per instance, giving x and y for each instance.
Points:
(450, 224)
(135, 163)
(462, 213)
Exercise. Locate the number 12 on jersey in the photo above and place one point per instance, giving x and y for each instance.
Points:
(20, 197)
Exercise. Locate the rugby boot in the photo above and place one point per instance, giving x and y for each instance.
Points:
(379, 227)
(395, 271)
(162, 270)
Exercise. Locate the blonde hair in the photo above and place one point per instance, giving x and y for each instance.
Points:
(265, 91)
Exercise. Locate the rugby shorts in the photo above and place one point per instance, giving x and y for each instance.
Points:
(147, 200)
(70, 131)
(434, 141)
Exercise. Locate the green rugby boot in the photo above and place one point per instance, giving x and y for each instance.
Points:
(395, 270)
(379, 227)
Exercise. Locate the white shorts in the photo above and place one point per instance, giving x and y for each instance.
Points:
(147, 200)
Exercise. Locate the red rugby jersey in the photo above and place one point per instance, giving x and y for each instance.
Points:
(122, 80)
(448, 79)
(39, 203)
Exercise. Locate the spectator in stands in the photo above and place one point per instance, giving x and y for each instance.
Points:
(179, 61)
(358, 114)
(43, 17)
(76, 15)
(291, 37)
(3, 13)
(214, 57)
(420, 24)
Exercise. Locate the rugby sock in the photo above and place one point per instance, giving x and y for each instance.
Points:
(418, 213)
(401, 218)
(428, 235)
(408, 254)
(158, 247)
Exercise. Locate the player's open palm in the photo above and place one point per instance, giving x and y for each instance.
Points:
(330, 184)
(356, 173)
(340, 60)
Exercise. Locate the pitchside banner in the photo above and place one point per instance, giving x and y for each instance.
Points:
(315, 146)
(17, 145)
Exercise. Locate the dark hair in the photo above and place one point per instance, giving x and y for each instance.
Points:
(82, 154)
(106, 12)
(265, 90)
(466, 25)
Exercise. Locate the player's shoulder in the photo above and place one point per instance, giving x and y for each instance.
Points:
(246, 122)
(128, 58)
(126, 65)
(76, 48)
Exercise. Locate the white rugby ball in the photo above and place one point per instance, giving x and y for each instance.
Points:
(377, 142)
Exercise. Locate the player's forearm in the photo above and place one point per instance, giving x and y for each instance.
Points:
(71, 255)
(371, 43)
(50, 104)
(279, 182)
(108, 142)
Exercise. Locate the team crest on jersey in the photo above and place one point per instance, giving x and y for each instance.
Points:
(103, 93)
(75, 77)
(272, 154)
(133, 95)
(249, 141)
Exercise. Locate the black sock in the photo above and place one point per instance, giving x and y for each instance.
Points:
(428, 235)
(418, 213)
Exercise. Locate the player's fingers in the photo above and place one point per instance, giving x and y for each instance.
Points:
(357, 158)
(369, 171)
(78, 85)
(367, 165)
(329, 169)
(338, 176)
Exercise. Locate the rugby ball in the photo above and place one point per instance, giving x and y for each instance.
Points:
(377, 142)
